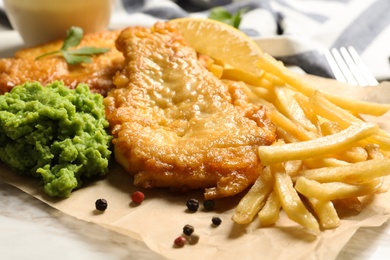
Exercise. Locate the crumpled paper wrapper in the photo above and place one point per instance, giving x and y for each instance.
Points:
(162, 215)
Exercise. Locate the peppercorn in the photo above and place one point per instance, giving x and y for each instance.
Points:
(188, 230)
(180, 241)
(101, 204)
(208, 204)
(193, 239)
(192, 205)
(137, 197)
(216, 221)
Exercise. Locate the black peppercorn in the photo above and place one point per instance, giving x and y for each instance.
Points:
(188, 230)
(208, 205)
(192, 205)
(216, 221)
(101, 204)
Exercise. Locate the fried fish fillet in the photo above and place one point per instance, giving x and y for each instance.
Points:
(97, 74)
(175, 124)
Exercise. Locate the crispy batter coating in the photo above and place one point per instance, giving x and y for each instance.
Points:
(175, 124)
(97, 74)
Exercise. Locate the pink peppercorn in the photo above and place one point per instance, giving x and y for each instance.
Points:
(137, 197)
(180, 241)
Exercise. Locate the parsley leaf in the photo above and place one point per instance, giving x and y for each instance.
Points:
(86, 50)
(75, 56)
(73, 38)
(82, 54)
(74, 59)
(222, 15)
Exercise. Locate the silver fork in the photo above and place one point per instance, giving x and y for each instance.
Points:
(348, 67)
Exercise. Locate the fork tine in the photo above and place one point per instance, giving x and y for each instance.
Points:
(362, 67)
(343, 67)
(334, 67)
(348, 67)
(355, 71)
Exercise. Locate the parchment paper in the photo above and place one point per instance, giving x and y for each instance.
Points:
(161, 217)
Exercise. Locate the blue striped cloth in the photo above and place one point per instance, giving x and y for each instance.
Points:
(294, 31)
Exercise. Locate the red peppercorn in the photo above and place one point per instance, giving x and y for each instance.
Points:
(137, 197)
(180, 241)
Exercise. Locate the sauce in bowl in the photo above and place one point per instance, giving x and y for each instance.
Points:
(40, 21)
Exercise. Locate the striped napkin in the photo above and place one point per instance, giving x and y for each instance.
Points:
(294, 31)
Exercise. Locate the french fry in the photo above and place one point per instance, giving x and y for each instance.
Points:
(291, 202)
(318, 147)
(314, 163)
(325, 212)
(352, 173)
(276, 81)
(274, 67)
(269, 214)
(263, 92)
(306, 107)
(329, 128)
(286, 136)
(290, 107)
(258, 95)
(344, 118)
(289, 126)
(332, 112)
(267, 82)
(374, 152)
(352, 154)
(325, 152)
(335, 190)
(217, 70)
(384, 187)
(382, 140)
(292, 168)
(239, 75)
(254, 200)
(322, 106)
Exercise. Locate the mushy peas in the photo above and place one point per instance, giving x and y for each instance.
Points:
(54, 133)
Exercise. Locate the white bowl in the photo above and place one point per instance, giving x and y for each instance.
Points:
(41, 21)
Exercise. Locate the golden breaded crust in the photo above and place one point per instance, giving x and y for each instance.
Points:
(175, 124)
(98, 74)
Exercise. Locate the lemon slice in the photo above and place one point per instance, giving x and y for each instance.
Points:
(224, 43)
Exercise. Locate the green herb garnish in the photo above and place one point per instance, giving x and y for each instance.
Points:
(74, 56)
(222, 15)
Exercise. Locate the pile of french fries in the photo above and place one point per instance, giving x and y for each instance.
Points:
(326, 154)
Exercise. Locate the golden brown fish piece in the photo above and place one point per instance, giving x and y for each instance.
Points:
(97, 74)
(175, 124)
